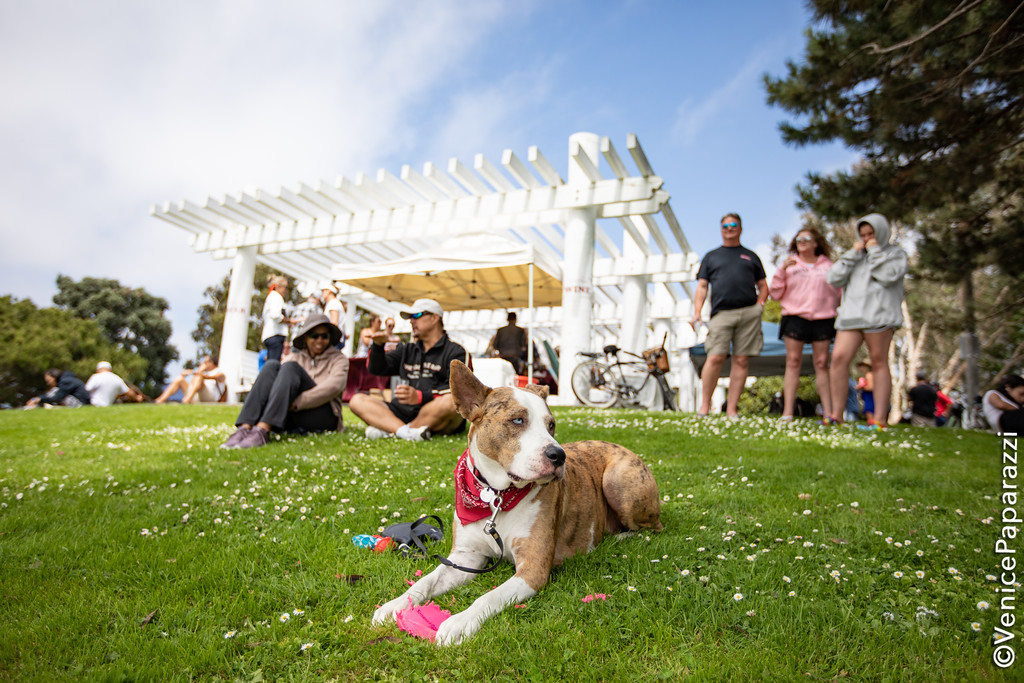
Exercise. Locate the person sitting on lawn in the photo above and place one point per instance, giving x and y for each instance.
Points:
(65, 390)
(106, 388)
(421, 403)
(206, 383)
(1003, 405)
(300, 394)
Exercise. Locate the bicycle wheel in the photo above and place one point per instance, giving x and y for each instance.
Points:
(594, 385)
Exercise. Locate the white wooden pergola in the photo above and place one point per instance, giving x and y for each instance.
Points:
(625, 261)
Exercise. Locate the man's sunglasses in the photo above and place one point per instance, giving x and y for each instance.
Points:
(417, 316)
(730, 225)
(318, 335)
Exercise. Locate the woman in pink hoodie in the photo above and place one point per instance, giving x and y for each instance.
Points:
(808, 314)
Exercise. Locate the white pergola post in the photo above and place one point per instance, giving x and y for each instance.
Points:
(633, 335)
(349, 326)
(578, 270)
(236, 317)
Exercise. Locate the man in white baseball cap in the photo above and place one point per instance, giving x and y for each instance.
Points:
(421, 404)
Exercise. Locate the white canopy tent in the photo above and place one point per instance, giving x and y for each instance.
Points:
(614, 242)
(470, 272)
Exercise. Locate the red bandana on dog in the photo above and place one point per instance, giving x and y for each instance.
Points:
(468, 504)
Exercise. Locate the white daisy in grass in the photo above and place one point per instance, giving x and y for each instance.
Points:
(898, 575)
(284, 617)
(230, 634)
(685, 572)
(737, 597)
(305, 646)
(297, 612)
(919, 574)
(786, 579)
(348, 618)
(975, 626)
(983, 605)
(792, 594)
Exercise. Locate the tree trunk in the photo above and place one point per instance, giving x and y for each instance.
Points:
(1014, 357)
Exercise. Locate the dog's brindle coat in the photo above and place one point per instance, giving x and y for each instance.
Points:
(581, 491)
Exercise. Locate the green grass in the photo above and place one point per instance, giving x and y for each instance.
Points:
(130, 545)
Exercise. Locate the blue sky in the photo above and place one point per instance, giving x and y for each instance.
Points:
(111, 107)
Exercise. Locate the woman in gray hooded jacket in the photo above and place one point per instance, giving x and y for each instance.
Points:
(871, 274)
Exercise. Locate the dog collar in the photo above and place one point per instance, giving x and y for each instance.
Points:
(471, 490)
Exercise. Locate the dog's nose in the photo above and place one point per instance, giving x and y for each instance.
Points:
(555, 454)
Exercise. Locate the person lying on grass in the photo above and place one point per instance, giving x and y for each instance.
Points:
(300, 394)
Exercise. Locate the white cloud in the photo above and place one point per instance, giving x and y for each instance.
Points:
(112, 107)
(693, 117)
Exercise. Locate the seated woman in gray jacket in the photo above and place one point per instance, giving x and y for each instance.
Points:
(300, 394)
(871, 274)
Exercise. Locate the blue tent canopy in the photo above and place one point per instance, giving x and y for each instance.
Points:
(772, 360)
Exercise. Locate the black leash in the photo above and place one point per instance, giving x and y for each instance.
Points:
(489, 528)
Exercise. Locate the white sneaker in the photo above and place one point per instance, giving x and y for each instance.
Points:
(377, 433)
(409, 434)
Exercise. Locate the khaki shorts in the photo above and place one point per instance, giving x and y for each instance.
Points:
(740, 327)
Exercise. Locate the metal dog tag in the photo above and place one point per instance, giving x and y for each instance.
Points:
(487, 495)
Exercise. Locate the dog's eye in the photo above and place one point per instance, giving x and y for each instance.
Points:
(518, 421)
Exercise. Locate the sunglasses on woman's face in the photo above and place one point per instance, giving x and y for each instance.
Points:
(318, 335)
(804, 239)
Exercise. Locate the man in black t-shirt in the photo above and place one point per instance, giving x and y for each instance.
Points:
(510, 343)
(738, 292)
(422, 402)
(922, 401)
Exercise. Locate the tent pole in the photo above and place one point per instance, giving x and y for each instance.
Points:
(529, 333)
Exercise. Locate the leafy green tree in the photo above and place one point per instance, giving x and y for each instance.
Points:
(32, 340)
(210, 325)
(131, 319)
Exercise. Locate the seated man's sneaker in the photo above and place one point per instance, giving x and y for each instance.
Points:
(377, 433)
(410, 434)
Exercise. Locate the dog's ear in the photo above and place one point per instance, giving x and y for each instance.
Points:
(539, 389)
(468, 393)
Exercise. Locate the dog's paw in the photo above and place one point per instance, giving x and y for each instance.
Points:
(386, 612)
(456, 628)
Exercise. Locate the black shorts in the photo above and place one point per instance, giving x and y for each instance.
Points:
(807, 331)
(407, 414)
(403, 412)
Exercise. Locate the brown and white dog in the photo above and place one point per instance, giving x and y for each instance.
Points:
(554, 501)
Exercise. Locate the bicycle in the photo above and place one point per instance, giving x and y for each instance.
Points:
(603, 384)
